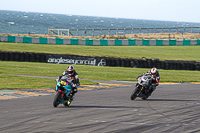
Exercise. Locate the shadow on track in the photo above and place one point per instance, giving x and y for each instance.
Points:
(185, 100)
(100, 107)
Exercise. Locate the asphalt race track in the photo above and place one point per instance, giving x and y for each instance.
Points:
(172, 108)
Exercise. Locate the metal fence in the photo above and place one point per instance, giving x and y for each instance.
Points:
(99, 32)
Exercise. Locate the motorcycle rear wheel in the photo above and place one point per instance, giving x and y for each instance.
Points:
(67, 103)
(134, 93)
(57, 99)
(145, 98)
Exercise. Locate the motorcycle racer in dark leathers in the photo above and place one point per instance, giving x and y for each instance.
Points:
(74, 75)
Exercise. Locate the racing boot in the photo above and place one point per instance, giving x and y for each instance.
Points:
(72, 95)
(149, 91)
(152, 90)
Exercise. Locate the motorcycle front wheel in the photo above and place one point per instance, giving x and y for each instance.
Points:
(134, 93)
(57, 99)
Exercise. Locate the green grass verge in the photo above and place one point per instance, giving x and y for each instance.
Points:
(19, 82)
(84, 71)
(152, 52)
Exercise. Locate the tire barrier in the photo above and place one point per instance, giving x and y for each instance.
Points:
(22, 57)
(99, 42)
(99, 61)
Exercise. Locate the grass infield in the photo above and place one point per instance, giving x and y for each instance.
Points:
(84, 71)
(186, 53)
(189, 53)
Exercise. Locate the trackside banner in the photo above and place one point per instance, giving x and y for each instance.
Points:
(58, 59)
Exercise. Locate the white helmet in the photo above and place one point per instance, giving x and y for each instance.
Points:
(153, 70)
(70, 70)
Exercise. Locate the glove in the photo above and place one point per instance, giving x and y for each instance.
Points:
(58, 78)
(74, 85)
(64, 73)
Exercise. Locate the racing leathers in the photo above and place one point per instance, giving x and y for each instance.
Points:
(75, 80)
(155, 80)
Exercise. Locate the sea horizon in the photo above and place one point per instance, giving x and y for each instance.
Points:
(23, 22)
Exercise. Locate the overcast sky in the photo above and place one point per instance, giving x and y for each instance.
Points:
(169, 10)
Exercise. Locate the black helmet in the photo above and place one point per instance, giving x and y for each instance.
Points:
(70, 70)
